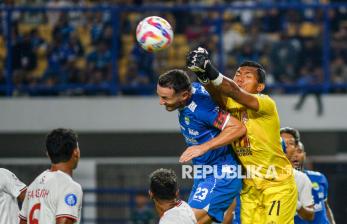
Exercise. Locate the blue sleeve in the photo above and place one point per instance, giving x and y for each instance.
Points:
(212, 115)
(208, 111)
(326, 186)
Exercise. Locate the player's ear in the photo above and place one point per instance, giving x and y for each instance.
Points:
(260, 87)
(76, 153)
(185, 95)
(150, 194)
(177, 193)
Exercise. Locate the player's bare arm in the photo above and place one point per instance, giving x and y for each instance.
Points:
(217, 96)
(246, 81)
(330, 214)
(228, 88)
(307, 213)
(65, 220)
(233, 130)
(22, 221)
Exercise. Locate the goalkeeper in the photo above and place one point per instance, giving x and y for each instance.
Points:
(269, 194)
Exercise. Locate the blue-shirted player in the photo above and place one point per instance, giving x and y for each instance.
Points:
(323, 213)
(207, 130)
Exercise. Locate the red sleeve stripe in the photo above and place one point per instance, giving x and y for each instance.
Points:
(23, 189)
(221, 120)
(22, 217)
(66, 216)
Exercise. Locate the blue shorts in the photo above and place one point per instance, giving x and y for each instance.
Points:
(214, 195)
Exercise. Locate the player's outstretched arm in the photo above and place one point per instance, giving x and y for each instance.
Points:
(198, 61)
(232, 131)
(330, 214)
(219, 98)
(230, 89)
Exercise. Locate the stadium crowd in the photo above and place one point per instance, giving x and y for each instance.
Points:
(75, 47)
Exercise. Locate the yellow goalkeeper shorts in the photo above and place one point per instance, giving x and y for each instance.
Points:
(272, 205)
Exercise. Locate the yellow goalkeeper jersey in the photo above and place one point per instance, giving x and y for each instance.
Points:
(260, 150)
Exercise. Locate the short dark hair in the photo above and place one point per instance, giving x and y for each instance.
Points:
(301, 145)
(261, 74)
(60, 144)
(176, 79)
(293, 132)
(163, 184)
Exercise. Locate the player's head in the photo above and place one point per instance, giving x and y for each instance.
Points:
(291, 137)
(174, 89)
(163, 185)
(250, 76)
(299, 156)
(62, 146)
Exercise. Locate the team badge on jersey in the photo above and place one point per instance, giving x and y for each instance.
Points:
(71, 199)
(187, 120)
(315, 186)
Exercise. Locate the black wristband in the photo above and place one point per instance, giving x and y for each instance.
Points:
(211, 72)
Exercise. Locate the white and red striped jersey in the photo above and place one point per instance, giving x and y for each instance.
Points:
(10, 188)
(53, 194)
(182, 213)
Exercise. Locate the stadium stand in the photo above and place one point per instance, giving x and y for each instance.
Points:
(288, 39)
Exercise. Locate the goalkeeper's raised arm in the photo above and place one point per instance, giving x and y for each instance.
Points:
(249, 79)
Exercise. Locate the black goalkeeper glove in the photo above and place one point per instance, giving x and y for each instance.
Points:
(198, 62)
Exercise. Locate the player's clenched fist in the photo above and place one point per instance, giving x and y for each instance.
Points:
(198, 61)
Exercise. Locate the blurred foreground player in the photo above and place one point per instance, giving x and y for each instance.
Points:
(54, 197)
(269, 196)
(208, 131)
(163, 190)
(305, 202)
(12, 190)
(323, 213)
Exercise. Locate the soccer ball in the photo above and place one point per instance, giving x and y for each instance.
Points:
(154, 33)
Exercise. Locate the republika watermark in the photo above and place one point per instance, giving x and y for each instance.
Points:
(233, 171)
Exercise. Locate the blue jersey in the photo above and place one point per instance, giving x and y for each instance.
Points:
(320, 195)
(200, 121)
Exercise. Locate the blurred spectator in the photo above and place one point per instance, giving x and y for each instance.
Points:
(97, 27)
(232, 38)
(58, 56)
(338, 71)
(2, 77)
(99, 64)
(311, 78)
(284, 59)
(247, 52)
(245, 16)
(36, 40)
(63, 29)
(140, 76)
(272, 21)
(197, 31)
(287, 41)
(54, 16)
(142, 213)
(24, 59)
(312, 51)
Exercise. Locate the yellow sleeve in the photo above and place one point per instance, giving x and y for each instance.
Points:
(266, 104)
